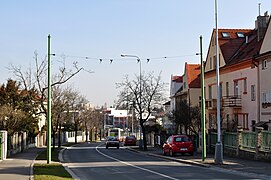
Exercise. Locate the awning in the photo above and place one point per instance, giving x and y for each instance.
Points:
(260, 124)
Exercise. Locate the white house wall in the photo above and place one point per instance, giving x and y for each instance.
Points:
(265, 84)
(247, 106)
(265, 77)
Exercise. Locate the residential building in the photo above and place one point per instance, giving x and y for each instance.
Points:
(190, 90)
(264, 81)
(114, 118)
(238, 76)
(175, 85)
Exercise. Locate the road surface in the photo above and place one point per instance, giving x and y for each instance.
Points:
(94, 161)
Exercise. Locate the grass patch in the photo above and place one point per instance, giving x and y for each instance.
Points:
(54, 155)
(50, 172)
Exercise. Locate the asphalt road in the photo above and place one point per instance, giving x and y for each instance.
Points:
(93, 161)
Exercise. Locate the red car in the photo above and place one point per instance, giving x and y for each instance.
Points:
(129, 141)
(178, 144)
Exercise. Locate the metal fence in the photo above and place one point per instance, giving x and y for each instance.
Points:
(230, 139)
(266, 141)
(249, 140)
(213, 139)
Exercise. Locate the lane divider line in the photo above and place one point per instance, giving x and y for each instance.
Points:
(138, 167)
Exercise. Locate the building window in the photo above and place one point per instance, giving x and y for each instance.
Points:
(264, 97)
(264, 65)
(227, 89)
(240, 34)
(225, 35)
(253, 122)
(236, 89)
(253, 94)
(245, 86)
(210, 92)
(245, 121)
(214, 62)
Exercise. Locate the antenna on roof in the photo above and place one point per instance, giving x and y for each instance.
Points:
(259, 8)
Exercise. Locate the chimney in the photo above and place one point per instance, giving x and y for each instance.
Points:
(261, 24)
(246, 39)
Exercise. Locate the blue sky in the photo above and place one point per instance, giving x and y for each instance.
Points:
(107, 28)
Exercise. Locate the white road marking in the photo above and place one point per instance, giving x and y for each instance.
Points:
(126, 163)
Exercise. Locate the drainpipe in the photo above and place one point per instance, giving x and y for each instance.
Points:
(258, 95)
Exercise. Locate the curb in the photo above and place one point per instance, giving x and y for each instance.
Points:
(31, 174)
(218, 169)
(60, 157)
(172, 158)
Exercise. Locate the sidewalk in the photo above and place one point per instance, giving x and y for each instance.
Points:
(19, 166)
(254, 168)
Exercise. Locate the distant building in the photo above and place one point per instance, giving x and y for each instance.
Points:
(115, 118)
(175, 85)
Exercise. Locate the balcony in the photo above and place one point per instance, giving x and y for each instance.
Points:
(232, 101)
(266, 105)
(210, 103)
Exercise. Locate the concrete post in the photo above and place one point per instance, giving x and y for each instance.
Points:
(4, 144)
(259, 139)
(20, 137)
(239, 140)
(24, 141)
(152, 139)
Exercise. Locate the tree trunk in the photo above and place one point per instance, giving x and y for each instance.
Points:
(86, 134)
(76, 129)
(59, 136)
(144, 137)
(54, 139)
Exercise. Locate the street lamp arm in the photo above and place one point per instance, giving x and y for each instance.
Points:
(128, 55)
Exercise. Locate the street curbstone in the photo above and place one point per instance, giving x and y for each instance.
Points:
(171, 158)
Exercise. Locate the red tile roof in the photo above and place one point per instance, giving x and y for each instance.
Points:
(247, 50)
(235, 49)
(193, 75)
(229, 45)
(177, 78)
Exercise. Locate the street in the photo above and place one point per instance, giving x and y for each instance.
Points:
(93, 161)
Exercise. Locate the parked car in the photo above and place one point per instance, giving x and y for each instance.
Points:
(112, 142)
(129, 141)
(178, 144)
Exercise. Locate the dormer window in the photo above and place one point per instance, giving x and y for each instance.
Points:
(240, 34)
(264, 65)
(225, 35)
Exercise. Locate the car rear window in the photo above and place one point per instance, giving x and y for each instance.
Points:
(130, 137)
(112, 139)
(181, 139)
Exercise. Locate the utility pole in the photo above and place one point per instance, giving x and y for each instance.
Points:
(218, 146)
(203, 133)
(49, 105)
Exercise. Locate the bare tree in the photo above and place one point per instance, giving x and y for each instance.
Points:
(145, 92)
(187, 118)
(60, 105)
(37, 78)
